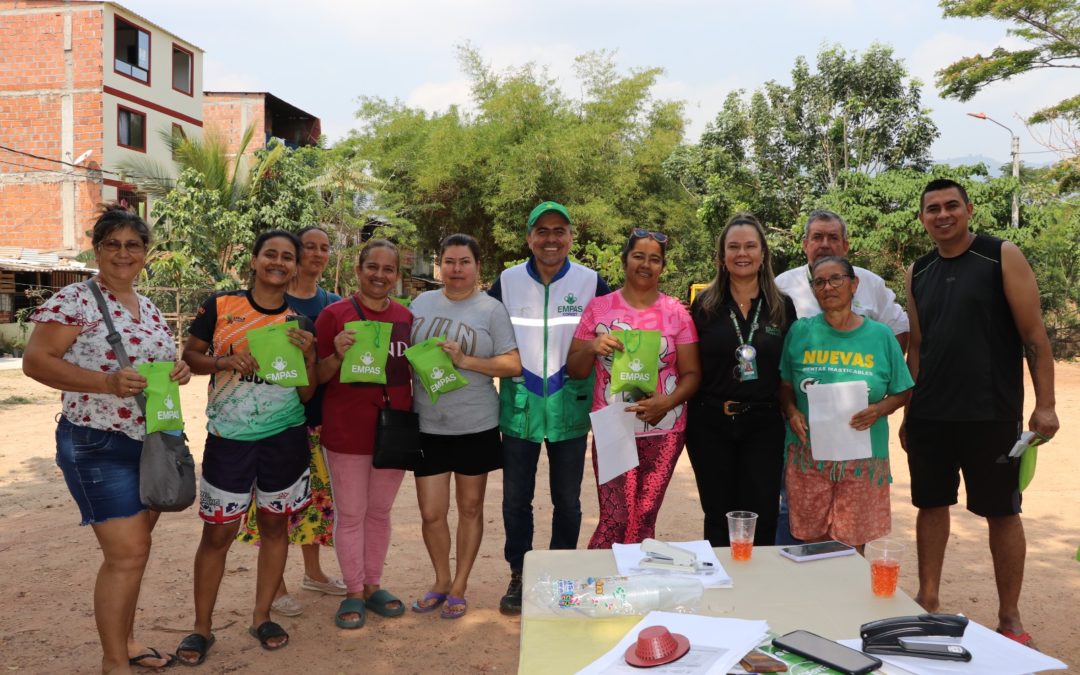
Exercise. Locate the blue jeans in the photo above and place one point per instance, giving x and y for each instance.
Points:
(101, 469)
(566, 460)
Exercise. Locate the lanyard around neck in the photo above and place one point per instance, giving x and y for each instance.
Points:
(753, 324)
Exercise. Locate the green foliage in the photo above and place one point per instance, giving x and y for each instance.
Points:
(482, 172)
(1051, 29)
(776, 152)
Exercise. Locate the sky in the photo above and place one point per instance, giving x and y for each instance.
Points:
(322, 55)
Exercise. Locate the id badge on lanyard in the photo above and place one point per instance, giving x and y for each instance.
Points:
(746, 369)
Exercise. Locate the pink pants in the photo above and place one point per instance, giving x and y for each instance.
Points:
(363, 497)
(630, 503)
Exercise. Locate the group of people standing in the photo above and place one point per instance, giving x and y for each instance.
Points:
(733, 377)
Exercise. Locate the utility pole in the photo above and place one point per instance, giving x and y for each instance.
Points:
(1015, 150)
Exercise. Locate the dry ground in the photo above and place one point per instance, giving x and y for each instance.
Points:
(48, 565)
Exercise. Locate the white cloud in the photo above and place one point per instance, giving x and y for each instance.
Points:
(216, 77)
(703, 101)
(439, 96)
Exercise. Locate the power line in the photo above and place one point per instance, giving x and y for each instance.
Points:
(37, 170)
(58, 161)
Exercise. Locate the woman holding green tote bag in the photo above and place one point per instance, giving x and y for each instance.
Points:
(459, 434)
(615, 324)
(256, 445)
(363, 494)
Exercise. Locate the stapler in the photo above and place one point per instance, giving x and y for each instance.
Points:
(926, 636)
(661, 556)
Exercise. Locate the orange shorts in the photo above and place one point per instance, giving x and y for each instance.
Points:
(853, 509)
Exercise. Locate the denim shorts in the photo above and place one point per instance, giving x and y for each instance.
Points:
(101, 469)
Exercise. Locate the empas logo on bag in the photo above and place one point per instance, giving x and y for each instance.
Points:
(169, 414)
(437, 374)
(279, 364)
(570, 307)
(367, 359)
(637, 375)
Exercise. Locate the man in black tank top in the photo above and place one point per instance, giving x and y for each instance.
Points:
(973, 304)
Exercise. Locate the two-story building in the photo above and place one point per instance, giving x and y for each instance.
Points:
(84, 85)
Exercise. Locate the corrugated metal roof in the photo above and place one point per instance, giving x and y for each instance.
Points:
(16, 259)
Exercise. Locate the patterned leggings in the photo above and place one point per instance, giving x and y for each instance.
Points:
(629, 503)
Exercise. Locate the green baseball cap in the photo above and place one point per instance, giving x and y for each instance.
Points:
(545, 207)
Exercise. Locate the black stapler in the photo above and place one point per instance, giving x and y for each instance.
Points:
(905, 636)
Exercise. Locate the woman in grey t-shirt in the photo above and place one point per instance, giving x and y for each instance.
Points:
(460, 433)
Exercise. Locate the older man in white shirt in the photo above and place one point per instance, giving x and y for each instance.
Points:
(825, 235)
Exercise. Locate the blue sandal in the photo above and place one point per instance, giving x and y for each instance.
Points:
(420, 607)
(380, 602)
(350, 606)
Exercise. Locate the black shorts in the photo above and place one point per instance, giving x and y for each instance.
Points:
(938, 451)
(467, 454)
(277, 467)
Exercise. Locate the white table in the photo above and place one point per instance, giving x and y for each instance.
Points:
(829, 597)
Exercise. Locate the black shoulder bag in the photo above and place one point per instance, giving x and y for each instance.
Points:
(397, 432)
(166, 467)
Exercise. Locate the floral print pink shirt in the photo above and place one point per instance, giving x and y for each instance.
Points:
(145, 340)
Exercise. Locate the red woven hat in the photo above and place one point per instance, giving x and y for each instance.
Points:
(655, 646)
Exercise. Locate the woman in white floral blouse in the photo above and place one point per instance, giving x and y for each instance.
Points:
(101, 429)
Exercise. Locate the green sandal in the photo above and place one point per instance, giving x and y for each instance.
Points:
(379, 603)
(350, 606)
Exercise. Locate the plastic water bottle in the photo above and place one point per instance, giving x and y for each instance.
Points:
(621, 596)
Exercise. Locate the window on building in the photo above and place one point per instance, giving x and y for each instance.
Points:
(183, 70)
(132, 51)
(130, 129)
(178, 134)
(132, 201)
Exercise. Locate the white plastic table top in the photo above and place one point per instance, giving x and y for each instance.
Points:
(830, 597)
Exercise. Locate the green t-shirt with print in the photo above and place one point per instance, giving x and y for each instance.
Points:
(817, 353)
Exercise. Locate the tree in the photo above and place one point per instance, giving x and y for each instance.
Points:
(1051, 29)
(482, 172)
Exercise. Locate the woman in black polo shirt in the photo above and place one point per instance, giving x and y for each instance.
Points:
(735, 431)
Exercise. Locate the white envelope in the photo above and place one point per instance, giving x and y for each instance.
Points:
(616, 448)
(831, 407)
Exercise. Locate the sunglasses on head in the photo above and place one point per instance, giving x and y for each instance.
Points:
(641, 233)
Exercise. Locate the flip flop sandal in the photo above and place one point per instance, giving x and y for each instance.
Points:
(350, 606)
(268, 630)
(1023, 638)
(170, 659)
(451, 602)
(418, 606)
(195, 643)
(379, 603)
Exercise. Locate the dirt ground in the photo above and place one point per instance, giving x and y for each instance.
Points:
(48, 564)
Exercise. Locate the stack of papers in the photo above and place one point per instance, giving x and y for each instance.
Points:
(716, 645)
(628, 559)
(990, 653)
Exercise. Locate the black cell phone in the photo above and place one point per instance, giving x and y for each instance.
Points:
(827, 652)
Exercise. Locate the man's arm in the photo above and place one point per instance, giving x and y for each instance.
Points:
(1022, 293)
(914, 342)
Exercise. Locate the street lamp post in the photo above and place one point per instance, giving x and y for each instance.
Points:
(1015, 164)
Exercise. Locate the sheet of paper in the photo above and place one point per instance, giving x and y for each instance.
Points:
(990, 653)
(628, 558)
(616, 449)
(716, 644)
(831, 408)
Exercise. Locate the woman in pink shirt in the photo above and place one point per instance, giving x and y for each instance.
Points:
(630, 502)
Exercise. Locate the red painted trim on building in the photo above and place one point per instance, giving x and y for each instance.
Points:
(191, 72)
(149, 50)
(150, 104)
(145, 130)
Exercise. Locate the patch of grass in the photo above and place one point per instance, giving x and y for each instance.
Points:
(17, 400)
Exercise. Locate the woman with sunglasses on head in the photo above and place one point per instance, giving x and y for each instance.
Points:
(314, 526)
(735, 429)
(843, 500)
(256, 445)
(629, 503)
(101, 429)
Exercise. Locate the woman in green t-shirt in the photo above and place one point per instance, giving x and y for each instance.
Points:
(829, 499)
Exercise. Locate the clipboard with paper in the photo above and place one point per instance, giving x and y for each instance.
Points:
(832, 438)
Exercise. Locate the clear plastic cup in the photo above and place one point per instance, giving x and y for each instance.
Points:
(741, 525)
(884, 556)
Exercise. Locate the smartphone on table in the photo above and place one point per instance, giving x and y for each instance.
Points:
(826, 652)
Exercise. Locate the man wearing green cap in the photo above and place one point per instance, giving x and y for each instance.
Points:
(545, 296)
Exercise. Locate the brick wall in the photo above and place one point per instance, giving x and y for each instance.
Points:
(229, 114)
(33, 81)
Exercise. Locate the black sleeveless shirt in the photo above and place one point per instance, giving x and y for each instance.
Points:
(971, 355)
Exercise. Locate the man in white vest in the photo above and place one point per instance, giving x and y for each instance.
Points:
(545, 296)
(826, 234)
